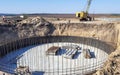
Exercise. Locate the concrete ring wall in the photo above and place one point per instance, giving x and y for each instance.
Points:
(21, 43)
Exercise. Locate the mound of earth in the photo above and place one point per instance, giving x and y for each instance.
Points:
(29, 27)
(34, 27)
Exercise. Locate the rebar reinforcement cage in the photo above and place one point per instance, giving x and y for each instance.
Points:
(66, 59)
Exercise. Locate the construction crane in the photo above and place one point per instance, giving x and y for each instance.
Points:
(84, 15)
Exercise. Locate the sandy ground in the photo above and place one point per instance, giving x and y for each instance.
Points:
(76, 20)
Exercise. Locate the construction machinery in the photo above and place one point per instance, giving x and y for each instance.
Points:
(84, 15)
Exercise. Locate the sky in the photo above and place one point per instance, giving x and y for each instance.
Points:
(58, 6)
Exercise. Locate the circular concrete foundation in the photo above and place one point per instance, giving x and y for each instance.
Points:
(32, 53)
(39, 62)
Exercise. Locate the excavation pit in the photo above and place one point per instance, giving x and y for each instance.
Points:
(31, 52)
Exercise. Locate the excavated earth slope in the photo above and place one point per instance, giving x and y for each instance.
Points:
(37, 26)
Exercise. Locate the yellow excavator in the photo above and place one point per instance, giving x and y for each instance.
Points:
(84, 15)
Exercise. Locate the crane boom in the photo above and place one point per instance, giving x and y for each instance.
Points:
(88, 5)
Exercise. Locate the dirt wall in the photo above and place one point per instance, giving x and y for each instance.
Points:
(107, 32)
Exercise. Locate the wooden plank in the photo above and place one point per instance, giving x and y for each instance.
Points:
(86, 53)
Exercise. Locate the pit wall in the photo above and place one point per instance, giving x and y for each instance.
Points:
(21, 43)
(108, 32)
